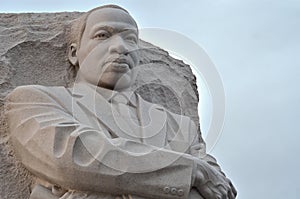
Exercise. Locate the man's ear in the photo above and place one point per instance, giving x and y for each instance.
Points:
(72, 55)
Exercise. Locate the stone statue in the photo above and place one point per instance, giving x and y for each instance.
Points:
(97, 139)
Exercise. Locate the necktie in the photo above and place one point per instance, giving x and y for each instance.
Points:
(120, 98)
(125, 109)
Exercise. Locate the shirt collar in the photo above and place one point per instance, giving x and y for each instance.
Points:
(110, 94)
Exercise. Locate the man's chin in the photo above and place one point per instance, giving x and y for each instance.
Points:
(116, 85)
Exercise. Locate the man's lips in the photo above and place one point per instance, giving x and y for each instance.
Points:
(119, 65)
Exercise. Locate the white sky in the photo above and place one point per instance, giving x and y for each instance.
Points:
(255, 47)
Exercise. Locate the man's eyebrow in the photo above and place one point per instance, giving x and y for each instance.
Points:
(112, 29)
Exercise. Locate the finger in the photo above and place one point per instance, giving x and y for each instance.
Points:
(233, 189)
(230, 195)
(218, 191)
(206, 192)
(223, 191)
(219, 196)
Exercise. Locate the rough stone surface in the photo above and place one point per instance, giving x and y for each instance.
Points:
(33, 51)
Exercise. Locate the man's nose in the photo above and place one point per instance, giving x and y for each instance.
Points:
(118, 45)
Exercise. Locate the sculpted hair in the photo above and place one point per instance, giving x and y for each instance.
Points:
(79, 24)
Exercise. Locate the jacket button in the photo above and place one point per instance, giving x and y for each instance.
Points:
(167, 190)
(180, 192)
(173, 191)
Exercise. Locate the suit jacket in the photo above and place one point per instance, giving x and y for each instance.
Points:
(74, 138)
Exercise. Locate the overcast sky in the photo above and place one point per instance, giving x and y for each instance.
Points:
(255, 46)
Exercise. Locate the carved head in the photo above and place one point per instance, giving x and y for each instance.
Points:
(105, 47)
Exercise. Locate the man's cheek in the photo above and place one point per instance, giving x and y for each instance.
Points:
(134, 56)
(96, 57)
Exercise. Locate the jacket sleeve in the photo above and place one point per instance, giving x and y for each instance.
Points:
(198, 148)
(58, 148)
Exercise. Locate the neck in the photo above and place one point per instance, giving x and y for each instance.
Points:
(117, 89)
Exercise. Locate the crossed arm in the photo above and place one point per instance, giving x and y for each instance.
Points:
(58, 148)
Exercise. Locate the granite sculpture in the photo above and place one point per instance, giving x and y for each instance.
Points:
(97, 138)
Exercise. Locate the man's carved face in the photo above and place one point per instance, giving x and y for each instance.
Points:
(108, 49)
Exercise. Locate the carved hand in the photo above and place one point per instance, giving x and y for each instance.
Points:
(211, 183)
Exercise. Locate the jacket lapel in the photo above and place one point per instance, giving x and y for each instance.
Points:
(95, 106)
(153, 119)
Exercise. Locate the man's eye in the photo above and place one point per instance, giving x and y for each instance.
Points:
(132, 39)
(102, 35)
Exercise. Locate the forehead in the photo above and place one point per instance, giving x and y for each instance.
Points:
(110, 17)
